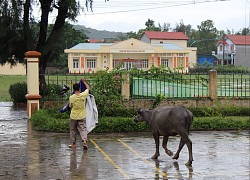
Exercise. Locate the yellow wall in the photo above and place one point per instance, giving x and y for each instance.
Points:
(18, 69)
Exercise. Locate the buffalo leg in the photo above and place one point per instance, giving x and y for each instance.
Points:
(185, 140)
(181, 144)
(164, 145)
(189, 145)
(157, 152)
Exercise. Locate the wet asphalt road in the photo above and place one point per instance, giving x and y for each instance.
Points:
(28, 154)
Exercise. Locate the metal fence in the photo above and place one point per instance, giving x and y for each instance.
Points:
(174, 85)
(170, 85)
(234, 85)
(188, 85)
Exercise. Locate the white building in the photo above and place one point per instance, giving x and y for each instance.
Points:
(235, 49)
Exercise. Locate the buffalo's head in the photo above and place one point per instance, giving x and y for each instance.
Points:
(138, 117)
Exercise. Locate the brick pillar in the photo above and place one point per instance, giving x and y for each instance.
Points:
(213, 84)
(125, 86)
(32, 95)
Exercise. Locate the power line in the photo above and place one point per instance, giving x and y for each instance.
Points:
(156, 5)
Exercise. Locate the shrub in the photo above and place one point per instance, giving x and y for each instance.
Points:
(219, 123)
(219, 69)
(18, 91)
(119, 124)
(51, 92)
(215, 111)
(117, 111)
(49, 120)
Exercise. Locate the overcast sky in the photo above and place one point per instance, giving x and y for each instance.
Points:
(131, 15)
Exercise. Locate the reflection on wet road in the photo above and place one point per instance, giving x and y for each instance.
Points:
(28, 154)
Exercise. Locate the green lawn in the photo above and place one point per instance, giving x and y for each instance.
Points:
(5, 82)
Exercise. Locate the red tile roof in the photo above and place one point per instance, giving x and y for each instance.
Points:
(239, 39)
(221, 42)
(95, 40)
(166, 35)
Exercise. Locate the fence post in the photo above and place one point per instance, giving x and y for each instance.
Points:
(32, 95)
(213, 84)
(125, 85)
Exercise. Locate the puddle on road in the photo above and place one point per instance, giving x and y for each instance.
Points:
(13, 123)
(9, 112)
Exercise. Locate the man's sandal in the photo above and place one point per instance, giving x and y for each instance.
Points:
(72, 146)
(84, 145)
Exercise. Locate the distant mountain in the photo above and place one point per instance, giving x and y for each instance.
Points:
(97, 34)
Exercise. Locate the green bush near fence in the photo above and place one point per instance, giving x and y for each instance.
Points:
(18, 91)
(51, 91)
(219, 111)
(220, 123)
(49, 120)
(219, 68)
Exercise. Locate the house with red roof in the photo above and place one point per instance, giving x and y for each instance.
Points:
(178, 39)
(235, 50)
(157, 37)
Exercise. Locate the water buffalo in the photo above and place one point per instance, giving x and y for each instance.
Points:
(168, 121)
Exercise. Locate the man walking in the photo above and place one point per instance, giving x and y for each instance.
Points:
(78, 114)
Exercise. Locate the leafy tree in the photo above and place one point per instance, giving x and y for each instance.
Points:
(244, 31)
(181, 27)
(15, 29)
(10, 31)
(165, 27)
(205, 38)
(132, 34)
(69, 38)
(150, 26)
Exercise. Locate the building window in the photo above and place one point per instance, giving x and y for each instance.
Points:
(232, 48)
(220, 48)
(91, 63)
(164, 62)
(144, 63)
(181, 55)
(128, 65)
(180, 62)
(75, 63)
(116, 63)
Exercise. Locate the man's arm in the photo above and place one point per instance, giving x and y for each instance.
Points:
(85, 83)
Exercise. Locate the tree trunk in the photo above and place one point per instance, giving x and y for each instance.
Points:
(45, 6)
(46, 47)
(26, 28)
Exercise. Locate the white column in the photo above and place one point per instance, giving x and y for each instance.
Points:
(32, 95)
(111, 62)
